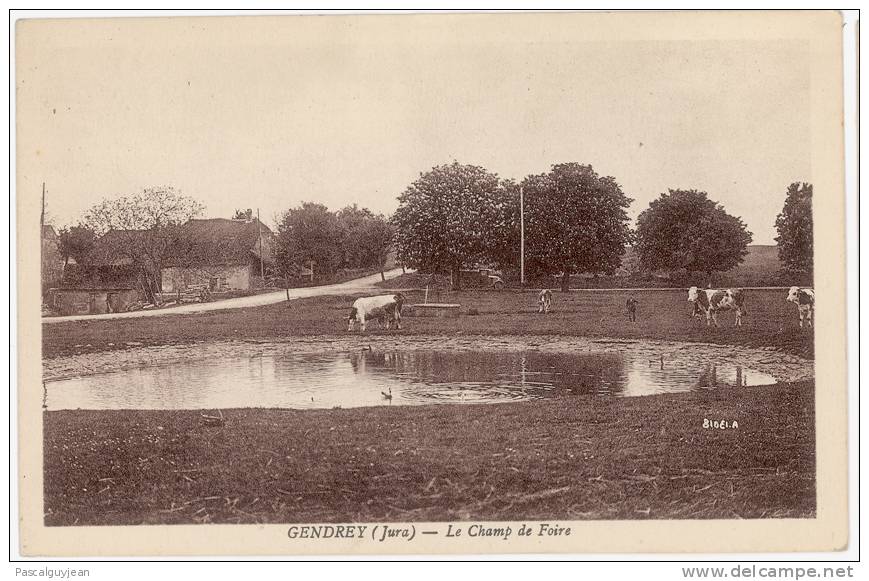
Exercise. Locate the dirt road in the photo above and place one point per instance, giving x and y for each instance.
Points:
(349, 287)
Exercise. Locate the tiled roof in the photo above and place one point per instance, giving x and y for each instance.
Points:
(218, 241)
(213, 241)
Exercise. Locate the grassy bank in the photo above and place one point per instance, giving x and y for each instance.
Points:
(571, 458)
(770, 321)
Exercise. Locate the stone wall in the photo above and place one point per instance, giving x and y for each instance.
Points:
(218, 278)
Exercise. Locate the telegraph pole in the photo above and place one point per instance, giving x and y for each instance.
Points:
(42, 215)
(521, 235)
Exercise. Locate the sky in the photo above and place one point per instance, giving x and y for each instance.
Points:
(268, 113)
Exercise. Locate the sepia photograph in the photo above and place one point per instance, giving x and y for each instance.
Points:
(431, 283)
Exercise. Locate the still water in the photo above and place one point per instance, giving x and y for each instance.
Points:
(368, 378)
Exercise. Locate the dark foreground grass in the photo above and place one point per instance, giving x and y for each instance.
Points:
(770, 322)
(569, 458)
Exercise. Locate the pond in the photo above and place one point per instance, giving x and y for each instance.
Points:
(371, 377)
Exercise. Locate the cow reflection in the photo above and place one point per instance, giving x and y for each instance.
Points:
(709, 376)
(368, 360)
(728, 376)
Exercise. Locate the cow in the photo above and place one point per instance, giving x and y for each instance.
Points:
(711, 301)
(631, 307)
(804, 299)
(377, 307)
(544, 300)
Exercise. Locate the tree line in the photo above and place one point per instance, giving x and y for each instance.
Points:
(456, 216)
(576, 221)
(311, 235)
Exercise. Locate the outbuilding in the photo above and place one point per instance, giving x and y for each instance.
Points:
(91, 301)
(219, 254)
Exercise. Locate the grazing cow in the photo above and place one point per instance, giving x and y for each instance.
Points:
(631, 306)
(544, 299)
(804, 299)
(711, 301)
(378, 307)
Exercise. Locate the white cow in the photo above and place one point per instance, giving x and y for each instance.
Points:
(378, 307)
(544, 299)
(804, 299)
(711, 301)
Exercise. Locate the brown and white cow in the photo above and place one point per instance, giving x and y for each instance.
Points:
(712, 301)
(804, 299)
(378, 307)
(544, 300)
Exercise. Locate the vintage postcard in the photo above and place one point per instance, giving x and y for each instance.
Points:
(431, 283)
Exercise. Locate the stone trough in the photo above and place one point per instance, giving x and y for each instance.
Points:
(433, 310)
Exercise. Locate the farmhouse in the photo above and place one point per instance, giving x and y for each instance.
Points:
(220, 253)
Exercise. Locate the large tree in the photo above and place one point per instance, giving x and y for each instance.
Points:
(146, 228)
(575, 222)
(76, 242)
(684, 229)
(452, 216)
(309, 234)
(368, 238)
(795, 230)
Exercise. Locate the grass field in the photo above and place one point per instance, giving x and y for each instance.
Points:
(567, 459)
(576, 457)
(770, 321)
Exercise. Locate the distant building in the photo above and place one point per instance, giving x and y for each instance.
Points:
(106, 282)
(92, 301)
(220, 253)
(52, 259)
(109, 264)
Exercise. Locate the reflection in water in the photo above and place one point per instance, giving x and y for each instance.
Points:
(709, 377)
(371, 377)
(730, 376)
(483, 375)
